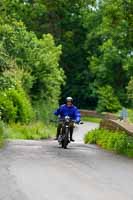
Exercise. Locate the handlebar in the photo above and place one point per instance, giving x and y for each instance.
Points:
(74, 121)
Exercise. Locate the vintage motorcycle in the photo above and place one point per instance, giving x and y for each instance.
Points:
(64, 137)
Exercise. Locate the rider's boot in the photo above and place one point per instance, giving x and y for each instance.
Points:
(72, 140)
(71, 136)
(58, 133)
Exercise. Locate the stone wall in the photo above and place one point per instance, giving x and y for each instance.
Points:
(117, 125)
(93, 113)
(90, 113)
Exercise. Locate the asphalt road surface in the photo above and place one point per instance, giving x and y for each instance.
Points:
(41, 170)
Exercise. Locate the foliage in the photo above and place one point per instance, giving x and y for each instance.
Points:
(63, 20)
(118, 142)
(92, 42)
(130, 90)
(15, 106)
(7, 109)
(130, 115)
(24, 112)
(30, 71)
(38, 56)
(107, 100)
(14, 102)
(37, 130)
(44, 111)
(109, 45)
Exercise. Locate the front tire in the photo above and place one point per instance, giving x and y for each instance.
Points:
(66, 140)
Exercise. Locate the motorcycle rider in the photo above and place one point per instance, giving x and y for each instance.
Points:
(70, 110)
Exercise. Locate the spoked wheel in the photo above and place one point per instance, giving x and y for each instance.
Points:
(62, 144)
(65, 141)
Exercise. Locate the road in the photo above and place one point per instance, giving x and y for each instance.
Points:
(41, 170)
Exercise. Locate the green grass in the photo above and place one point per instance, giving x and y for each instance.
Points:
(118, 142)
(1, 141)
(130, 115)
(91, 119)
(34, 131)
(1, 134)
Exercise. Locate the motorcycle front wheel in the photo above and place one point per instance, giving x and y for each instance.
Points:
(65, 141)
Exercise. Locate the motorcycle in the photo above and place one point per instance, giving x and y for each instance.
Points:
(64, 137)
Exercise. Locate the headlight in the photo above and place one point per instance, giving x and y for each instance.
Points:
(67, 118)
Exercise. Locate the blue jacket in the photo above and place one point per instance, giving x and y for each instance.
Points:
(71, 111)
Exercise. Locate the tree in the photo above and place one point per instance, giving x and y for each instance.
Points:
(107, 100)
(30, 71)
(38, 56)
(15, 105)
(130, 91)
(62, 19)
(96, 39)
(109, 45)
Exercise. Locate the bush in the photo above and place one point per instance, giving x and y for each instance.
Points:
(24, 111)
(28, 67)
(15, 106)
(107, 100)
(7, 109)
(118, 142)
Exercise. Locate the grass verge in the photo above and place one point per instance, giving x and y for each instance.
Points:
(1, 134)
(91, 119)
(118, 142)
(130, 115)
(33, 131)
